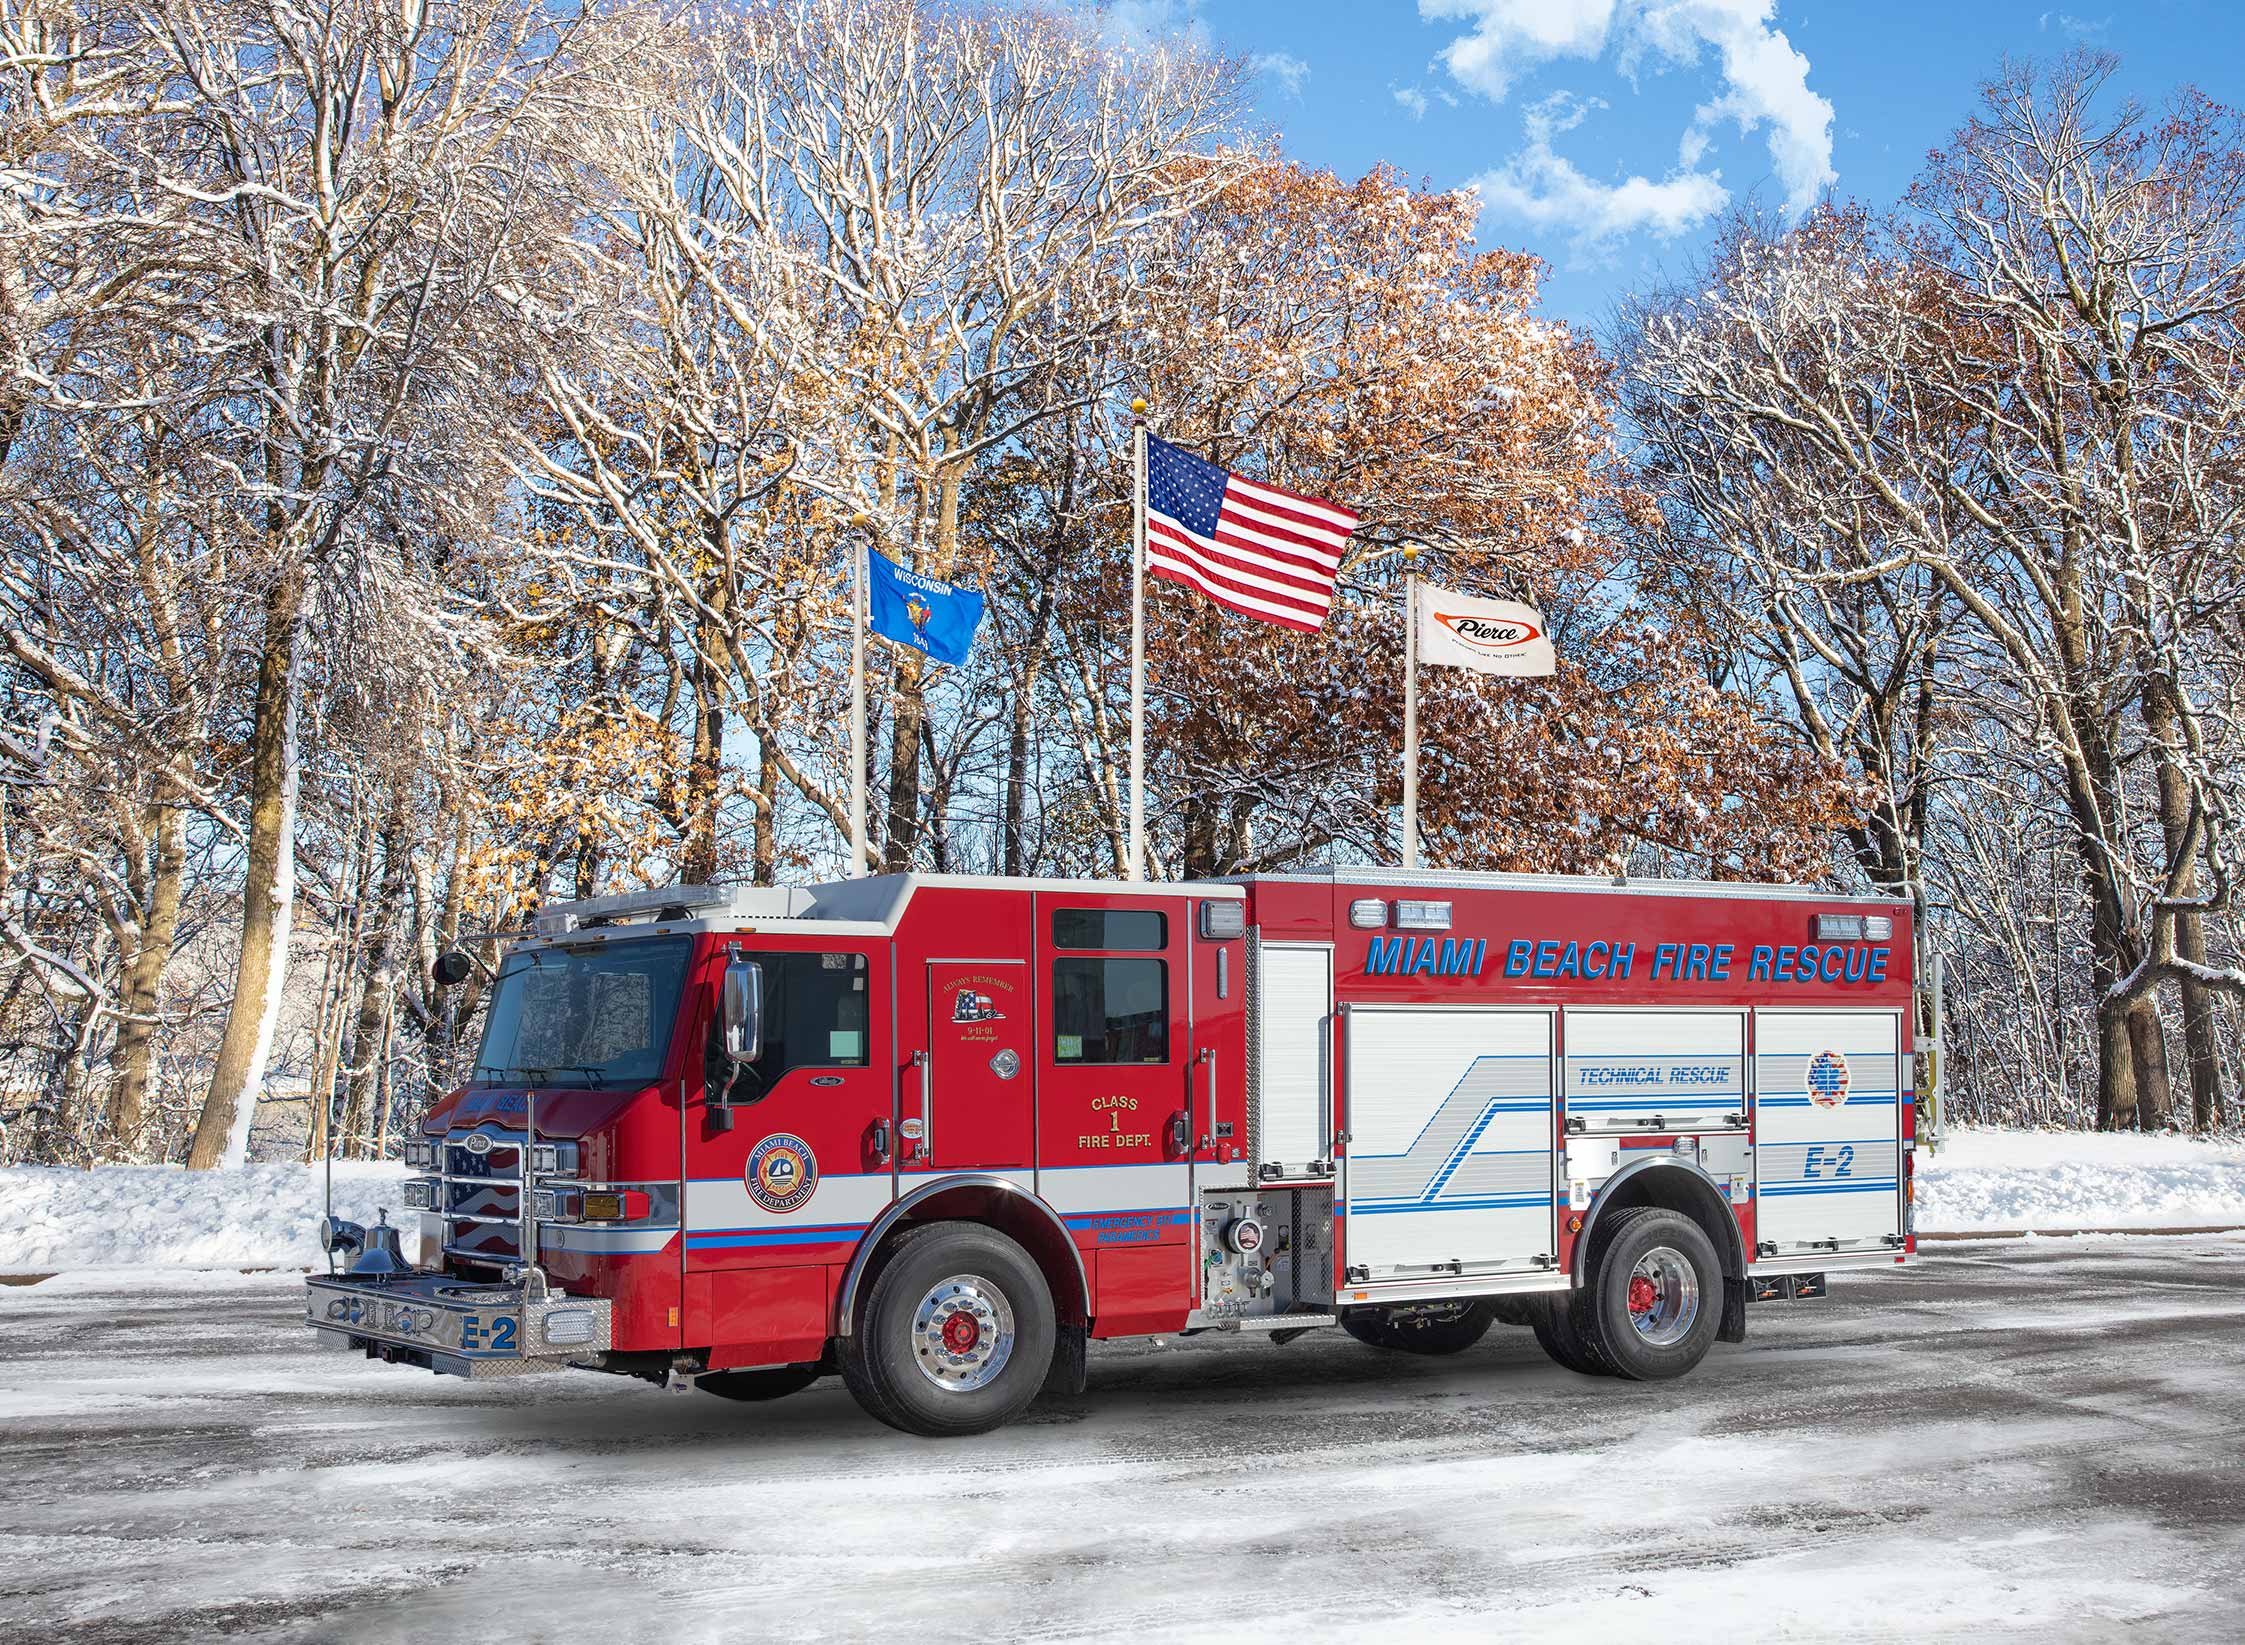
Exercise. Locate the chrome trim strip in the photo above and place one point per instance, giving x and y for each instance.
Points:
(846, 1302)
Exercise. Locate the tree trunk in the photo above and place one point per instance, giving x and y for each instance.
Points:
(2201, 1044)
(144, 979)
(705, 767)
(765, 845)
(370, 1035)
(268, 888)
(2147, 1045)
(2116, 1080)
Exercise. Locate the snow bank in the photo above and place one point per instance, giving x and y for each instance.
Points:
(2079, 1179)
(266, 1216)
(118, 1216)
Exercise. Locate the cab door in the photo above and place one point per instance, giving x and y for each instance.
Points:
(799, 1161)
(1116, 1125)
(970, 1107)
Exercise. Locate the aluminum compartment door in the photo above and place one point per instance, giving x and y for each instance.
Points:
(1670, 1071)
(1293, 1050)
(1449, 1162)
(1827, 1130)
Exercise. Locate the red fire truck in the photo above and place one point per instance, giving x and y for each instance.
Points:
(933, 1132)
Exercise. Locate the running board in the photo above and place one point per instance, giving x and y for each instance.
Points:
(1279, 1322)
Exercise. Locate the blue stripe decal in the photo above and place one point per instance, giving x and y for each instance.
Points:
(784, 1236)
(1655, 1105)
(1884, 1186)
(1387, 1208)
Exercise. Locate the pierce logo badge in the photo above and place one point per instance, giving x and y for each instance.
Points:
(1483, 634)
(782, 1172)
(1827, 1079)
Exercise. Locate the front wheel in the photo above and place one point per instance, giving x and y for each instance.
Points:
(1653, 1307)
(957, 1333)
(1447, 1328)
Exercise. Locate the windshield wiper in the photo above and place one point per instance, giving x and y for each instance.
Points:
(498, 1071)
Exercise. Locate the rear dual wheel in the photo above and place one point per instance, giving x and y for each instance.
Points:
(1650, 1306)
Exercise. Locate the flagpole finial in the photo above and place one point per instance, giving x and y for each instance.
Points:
(1410, 552)
(860, 520)
(1138, 408)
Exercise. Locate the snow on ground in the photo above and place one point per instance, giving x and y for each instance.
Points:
(2000, 1444)
(266, 1216)
(121, 1216)
(2079, 1179)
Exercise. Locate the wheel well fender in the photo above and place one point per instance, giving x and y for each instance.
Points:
(1682, 1186)
(994, 1201)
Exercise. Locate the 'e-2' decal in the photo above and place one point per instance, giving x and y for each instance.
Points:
(1843, 1164)
(487, 1336)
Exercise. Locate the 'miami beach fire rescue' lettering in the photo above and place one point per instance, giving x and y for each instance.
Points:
(1670, 962)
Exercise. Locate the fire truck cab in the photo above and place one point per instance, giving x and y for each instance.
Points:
(933, 1133)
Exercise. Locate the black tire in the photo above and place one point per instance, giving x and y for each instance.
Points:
(1560, 1336)
(1674, 1334)
(908, 1377)
(776, 1382)
(1448, 1330)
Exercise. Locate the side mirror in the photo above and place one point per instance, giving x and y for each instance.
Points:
(453, 968)
(741, 1012)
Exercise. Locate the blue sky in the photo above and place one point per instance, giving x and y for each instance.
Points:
(1605, 133)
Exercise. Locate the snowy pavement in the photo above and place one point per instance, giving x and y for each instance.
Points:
(2031, 1441)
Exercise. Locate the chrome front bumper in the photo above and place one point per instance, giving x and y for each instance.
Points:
(456, 1327)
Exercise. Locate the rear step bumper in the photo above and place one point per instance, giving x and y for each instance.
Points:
(1787, 1287)
(456, 1327)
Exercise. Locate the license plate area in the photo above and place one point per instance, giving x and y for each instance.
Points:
(458, 1326)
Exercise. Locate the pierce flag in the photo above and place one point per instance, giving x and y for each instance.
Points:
(1488, 636)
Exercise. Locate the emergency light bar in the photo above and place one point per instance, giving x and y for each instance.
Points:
(1421, 916)
(559, 918)
(1853, 928)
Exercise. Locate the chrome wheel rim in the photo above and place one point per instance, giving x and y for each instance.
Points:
(962, 1333)
(1663, 1297)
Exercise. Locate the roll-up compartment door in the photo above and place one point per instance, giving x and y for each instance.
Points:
(1663, 1071)
(1292, 1006)
(1449, 1164)
(1827, 1130)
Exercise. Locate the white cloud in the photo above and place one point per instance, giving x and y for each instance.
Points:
(1413, 100)
(1541, 187)
(2074, 28)
(1284, 67)
(1764, 79)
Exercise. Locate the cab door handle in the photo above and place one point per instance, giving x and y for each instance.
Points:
(880, 1142)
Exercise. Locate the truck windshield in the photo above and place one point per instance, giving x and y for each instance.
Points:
(599, 1017)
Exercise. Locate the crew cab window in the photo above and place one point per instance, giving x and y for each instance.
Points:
(1110, 1010)
(815, 1016)
(1144, 930)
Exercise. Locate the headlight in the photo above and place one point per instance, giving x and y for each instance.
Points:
(421, 1153)
(419, 1193)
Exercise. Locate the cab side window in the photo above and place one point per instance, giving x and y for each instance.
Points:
(816, 1015)
(1109, 1008)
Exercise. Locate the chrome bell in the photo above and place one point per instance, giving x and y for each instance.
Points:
(381, 1257)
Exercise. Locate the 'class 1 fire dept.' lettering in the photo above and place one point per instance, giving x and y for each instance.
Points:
(1615, 961)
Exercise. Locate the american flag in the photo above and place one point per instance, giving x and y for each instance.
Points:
(1260, 551)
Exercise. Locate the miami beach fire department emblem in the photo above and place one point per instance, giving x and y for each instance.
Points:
(1827, 1079)
(781, 1173)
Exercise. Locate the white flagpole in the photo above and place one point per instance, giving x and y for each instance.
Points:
(1137, 868)
(1410, 707)
(857, 693)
